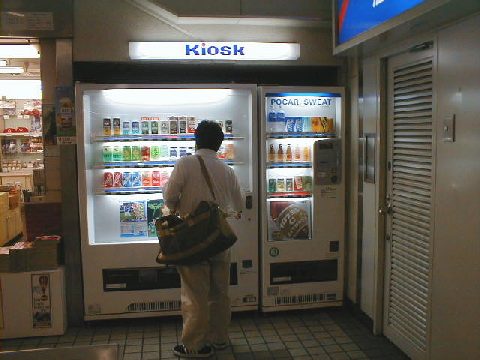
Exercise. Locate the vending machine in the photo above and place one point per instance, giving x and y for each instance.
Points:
(302, 197)
(129, 138)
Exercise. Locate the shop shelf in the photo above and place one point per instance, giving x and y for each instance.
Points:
(20, 134)
(146, 164)
(159, 137)
(284, 135)
(128, 190)
(290, 194)
(275, 165)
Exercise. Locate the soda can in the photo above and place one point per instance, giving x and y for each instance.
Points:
(145, 127)
(183, 151)
(136, 179)
(107, 127)
(155, 153)
(228, 126)
(156, 178)
(299, 124)
(145, 153)
(154, 127)
(164, 152)
(147, 178)
(126, 128)
(164, 127)
(135, 128)
(116, 126)
(127, 153)
(126, 179)
(281, 185)
(107, 179)
(136, 153)
(107, 154)
(221, 152)
(298, 183)
(289, 184)
(117, 153)
(173, 152)
(272, 185)
(117, 179)
(182, 125)
(290, 124)
(191, 124)
(173, 125)
(164, 176)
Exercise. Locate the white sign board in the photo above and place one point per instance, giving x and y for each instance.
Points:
(232, 51)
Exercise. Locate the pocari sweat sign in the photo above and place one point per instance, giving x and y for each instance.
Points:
(202, 50)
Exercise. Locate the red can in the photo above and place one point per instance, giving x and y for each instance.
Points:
(145, 153)
(107, 179)
(156, 178)
(146, 178)
(117, 179)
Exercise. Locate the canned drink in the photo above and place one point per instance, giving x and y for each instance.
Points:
(107, 153)
(136, 179)
(164, 153)
(127, 153)
(145, 153)
(229, 152)
(135, 128)
(154, 127)
(155, 153)
(126, 179)
(290, 124)
(173, 125)
(164, 127)
(228, 126)
(272, 185)
(183, 151)
(126, 128)
(145, 127)
(117, 153)
(299, 124)
(156, 178)
(173, 152)
(221, 152)
(191, 124)
(107, 179)
(146, 178)
(298, 183)
(107, 126)
(289, 184)
(182, 125)
(190, 150)
(281, 185)
(136, 153)
(117, 179)
(116, 126)
(164, 176)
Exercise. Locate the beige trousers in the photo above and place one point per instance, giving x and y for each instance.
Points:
(205, 301)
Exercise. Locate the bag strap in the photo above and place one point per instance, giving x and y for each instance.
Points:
(206, 175)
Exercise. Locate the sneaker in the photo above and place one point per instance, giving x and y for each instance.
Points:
(182, 352)
(221, 346)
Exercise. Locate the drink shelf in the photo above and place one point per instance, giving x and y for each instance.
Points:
(284, 135)
(159, 137)
(290, 194)
(21, 134)
(23, 153)
(276, 165)
(146, 164)
(128, 190)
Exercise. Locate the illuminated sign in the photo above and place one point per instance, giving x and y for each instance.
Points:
(357, 16)
(202, 50)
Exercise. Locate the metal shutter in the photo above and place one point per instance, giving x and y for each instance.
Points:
(411, 201)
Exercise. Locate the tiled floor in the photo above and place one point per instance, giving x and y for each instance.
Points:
(313, 334)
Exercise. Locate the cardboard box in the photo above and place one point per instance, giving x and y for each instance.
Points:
(13, 200)
(3, 202)
(33, 304)
(3, 228)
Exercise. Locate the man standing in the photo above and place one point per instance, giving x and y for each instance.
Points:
(204, 290)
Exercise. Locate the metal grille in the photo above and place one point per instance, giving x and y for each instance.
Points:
(304, 299)
(411, 200)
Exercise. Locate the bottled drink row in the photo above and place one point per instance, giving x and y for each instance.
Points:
(136, 179)
(290, 184)
(288, 153)
(153, 125)
(278, 122)
(156, 152)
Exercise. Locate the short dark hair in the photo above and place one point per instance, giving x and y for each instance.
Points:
(208, 135)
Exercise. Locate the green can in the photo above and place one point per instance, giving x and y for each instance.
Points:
(117, 153)
(127, 153)
(107, 154)
(136, 153)
(272, 185)
(155, 153)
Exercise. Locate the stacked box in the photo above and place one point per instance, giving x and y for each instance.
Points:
(19, 255)
(4, 259)
(44, 254)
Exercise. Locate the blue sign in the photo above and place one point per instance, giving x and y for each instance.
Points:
(357, 16)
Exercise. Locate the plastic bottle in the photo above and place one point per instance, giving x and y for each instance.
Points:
(271, 153)
(272, 120)
(306, 154)
(280, 157)
(280, 120)
(289, 153)
(297, 153)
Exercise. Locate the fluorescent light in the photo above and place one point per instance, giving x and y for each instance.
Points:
(167, 97)
(19, 51)
(201, 50)
(11, 70)
(21, 89)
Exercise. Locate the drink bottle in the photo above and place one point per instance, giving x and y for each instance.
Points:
(271, 153)
(297, 153)
(280, 157)
(272, 121)
(280, 120)
(289, 153)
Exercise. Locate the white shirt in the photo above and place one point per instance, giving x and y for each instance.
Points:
(187, 185)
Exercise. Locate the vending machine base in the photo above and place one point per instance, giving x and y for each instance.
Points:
(32, 304)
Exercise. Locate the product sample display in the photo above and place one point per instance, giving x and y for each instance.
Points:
(130, 138)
